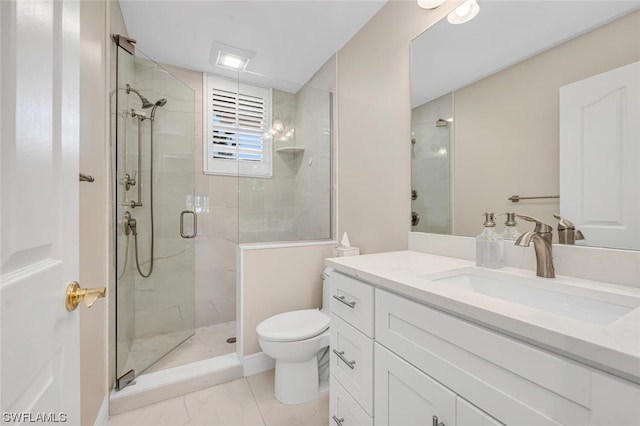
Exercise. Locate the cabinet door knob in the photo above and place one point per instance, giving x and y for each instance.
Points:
(436, 423)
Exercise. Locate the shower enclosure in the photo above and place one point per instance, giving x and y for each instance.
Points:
(154, 212)
(177, 230)
(294, 204)
(431, 129)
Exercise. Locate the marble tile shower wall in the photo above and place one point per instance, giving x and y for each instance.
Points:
(162, 306)
(267, 205)
(294, 204)
(430, 168)
(313, 180)
(216, 201)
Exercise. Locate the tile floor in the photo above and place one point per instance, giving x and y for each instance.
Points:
(207, 342)
(244, 402)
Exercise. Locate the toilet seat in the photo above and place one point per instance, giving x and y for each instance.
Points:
(293, 326)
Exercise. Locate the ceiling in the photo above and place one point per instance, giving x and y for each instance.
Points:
(292, 39)
(447, 57)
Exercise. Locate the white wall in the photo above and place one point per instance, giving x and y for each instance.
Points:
(374, 126)
(276, 280)
(94, 206)
(507, 125)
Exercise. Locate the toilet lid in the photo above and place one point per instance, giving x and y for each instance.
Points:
(294, 325)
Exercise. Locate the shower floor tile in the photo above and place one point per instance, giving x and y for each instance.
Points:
(248, 401)
(207, 342)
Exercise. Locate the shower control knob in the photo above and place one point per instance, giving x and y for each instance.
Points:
(129, 181)
(76, 294)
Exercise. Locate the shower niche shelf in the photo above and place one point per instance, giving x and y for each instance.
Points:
(290, 150)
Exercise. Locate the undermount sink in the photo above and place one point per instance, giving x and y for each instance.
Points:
(599, 308)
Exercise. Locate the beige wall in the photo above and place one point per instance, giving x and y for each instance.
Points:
(94, 206)
(374, 127)
(507, 125)
(278, 280)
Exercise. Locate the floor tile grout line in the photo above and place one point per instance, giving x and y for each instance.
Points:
(264, 422)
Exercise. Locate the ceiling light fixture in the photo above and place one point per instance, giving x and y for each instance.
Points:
(229, 57)
(430, 4)
(227, 60)
(464, 13)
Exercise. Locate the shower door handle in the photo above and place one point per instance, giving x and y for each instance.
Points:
(195, 224)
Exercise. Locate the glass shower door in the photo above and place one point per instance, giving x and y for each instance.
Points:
(156, 221)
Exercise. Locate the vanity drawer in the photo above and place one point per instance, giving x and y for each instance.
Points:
(344, 410)
(479, 365)
(352, 300)
(352, 362)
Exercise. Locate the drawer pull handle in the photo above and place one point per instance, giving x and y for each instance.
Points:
(341, 299)
(436, 423)
(337, 420)
(340, 354)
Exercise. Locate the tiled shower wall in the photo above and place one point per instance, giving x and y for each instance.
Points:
(267, 204)
(216, 201)
(430, 165)
(164, 302)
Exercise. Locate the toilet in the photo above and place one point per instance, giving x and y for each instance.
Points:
(299, 343)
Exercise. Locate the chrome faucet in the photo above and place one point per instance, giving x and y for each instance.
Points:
(541, 237)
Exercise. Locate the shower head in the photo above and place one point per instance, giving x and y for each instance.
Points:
(159, 103)
(145, 102)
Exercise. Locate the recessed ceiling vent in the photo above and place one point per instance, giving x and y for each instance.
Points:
(229, 57)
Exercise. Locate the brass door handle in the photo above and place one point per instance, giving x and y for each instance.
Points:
(77, 294)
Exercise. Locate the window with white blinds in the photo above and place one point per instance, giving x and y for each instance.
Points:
(236, 124)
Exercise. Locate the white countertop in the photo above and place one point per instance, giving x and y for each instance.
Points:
(614, 348)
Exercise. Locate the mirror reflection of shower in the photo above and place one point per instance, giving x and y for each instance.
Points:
(130, 224)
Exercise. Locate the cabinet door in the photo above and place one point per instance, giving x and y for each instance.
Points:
(344, 410)
(469, 415)
(405, 396)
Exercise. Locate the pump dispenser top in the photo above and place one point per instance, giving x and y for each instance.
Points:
(510, 232)
(489, 244)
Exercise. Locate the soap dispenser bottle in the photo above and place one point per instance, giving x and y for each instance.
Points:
(489, 244)
(510, 232)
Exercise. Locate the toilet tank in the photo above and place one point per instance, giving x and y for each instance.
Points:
(326, 289)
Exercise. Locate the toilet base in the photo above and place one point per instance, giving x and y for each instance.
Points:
(296, 382)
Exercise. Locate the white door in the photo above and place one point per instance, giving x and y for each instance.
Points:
(405, 396)
(600, 157)
(39, 210)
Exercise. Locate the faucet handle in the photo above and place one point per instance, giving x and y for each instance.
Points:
(564, 223)
(540, 228)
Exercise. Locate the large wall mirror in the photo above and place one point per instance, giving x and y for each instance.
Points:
(490, 119)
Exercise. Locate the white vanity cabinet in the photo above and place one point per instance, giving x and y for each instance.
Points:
(425, 362)
(351, 351)
(406, 396)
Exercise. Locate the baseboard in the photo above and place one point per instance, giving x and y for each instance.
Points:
(167, 384)
(257, 363)
(102, 418)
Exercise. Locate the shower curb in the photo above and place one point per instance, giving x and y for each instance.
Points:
(170, 383)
